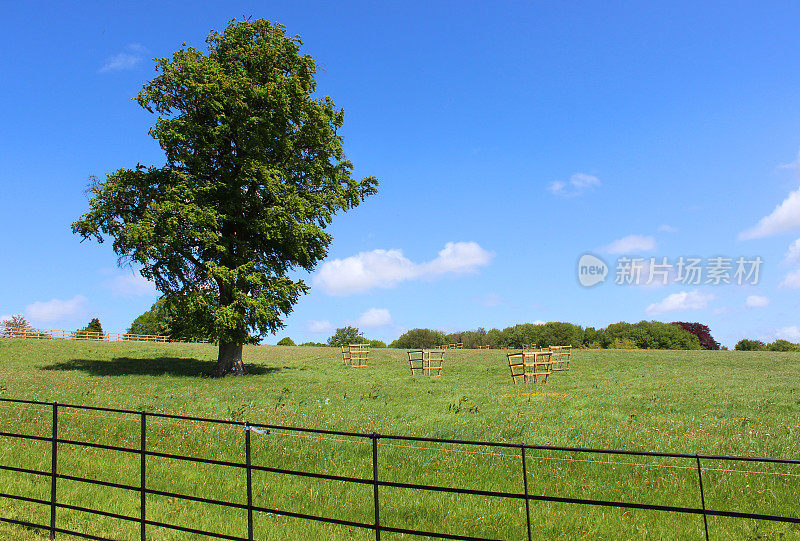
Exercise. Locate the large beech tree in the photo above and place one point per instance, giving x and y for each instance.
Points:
(254, 174)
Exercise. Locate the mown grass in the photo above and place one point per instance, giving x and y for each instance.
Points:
(739, 403)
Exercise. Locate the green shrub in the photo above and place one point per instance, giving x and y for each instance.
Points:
(286, 342)
(745, 344)
(420, 338)
(622, 343)
(783, 345)
(650, 335)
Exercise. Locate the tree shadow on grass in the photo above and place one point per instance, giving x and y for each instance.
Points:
(161, 366)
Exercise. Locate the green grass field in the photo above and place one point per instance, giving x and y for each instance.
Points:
(738, 403)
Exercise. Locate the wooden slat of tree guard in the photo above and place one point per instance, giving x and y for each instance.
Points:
(415, 357)
(355, 355)
(482, 347)
(434, 362)
(529, 347)
(426, 360)
(531, 366)
(561, 357)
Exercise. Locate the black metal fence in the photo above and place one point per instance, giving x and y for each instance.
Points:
(54, 475)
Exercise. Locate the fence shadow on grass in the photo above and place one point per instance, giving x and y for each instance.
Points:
(161, 366)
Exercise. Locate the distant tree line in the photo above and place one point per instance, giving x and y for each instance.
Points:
(642, 335)
(757, 345)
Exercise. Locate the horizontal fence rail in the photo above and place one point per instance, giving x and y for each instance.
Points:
(374, 481)
(53, 334)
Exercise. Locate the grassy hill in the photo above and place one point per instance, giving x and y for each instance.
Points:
(740, 403)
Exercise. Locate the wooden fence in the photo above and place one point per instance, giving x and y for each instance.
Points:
(51, 334)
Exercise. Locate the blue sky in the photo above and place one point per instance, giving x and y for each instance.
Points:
(509, 139)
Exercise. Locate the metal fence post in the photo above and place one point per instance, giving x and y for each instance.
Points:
(142, 493)
(525, 484)
(249, 482)
(702, 496)
(54, 461)
(375, 485)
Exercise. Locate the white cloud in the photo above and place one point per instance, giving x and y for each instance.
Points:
(791, 280)
(665, 228)
(538, 322)
(685, 300)
(5, 317)
(793, 165)
(387, 268)
(791, 333)
(319, 327)
(126, 60)
(793, 255)
(756, 301)
(786, 216)
(631, 244)
(578, 184)
(375, 317)
(130, 285)
(458, 258)
(56, 309)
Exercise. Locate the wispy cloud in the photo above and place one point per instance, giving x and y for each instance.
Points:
(375, 317)
(756, 301)
(130, 57)
(793, 255)
(56, 309)
(319, 327)
(791, 333)
(791, 280)
(130, 285)
(387, 268)
(632, 244)
(491, 300)
(665, 228)
(792, 165)
(685, 300)
(785, 217)
(578, 184)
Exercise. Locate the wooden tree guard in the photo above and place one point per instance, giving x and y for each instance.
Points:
(458, 345)
(355, 355)
(531, 366)
(427, 360)
(482, 347)
(529, 347)
(561, 357)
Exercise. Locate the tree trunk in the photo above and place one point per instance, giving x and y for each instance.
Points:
(229, 360)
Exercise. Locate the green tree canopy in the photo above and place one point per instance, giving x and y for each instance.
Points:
(286, 342)
(156, 321)
(420, 338)
(255, 171)
(16, 323)
(346, 335)
(93, 326)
